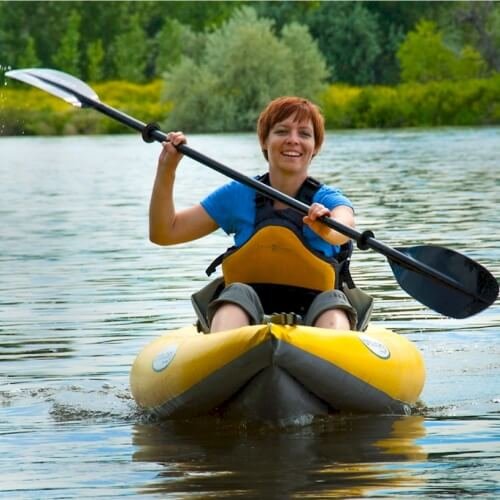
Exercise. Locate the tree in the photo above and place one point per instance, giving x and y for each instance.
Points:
(424, 57)
(478, 23)
(349, 37)
(95, 58)
(67, 56)
(309, 65)
(286, 12)
(469, 64)
(29, 58)
(395, 20)
(244, 65)
(174, 41)
(130, 51)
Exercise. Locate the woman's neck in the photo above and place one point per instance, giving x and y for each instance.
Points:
(287, 184)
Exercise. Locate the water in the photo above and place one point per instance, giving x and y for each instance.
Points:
(83, 291)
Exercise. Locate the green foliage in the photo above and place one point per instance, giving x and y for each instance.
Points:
(243, 66)
(286, 12)
(95, 59)
(169, 45)
(394, 20)
(130, 49)
(469, 64)
(424, 57)
(469, 102)
(199, 15)
(29, 111)
(476, 24)
(175, 41)
(67, 56)
(349, 37)
(358, 39)
(308, 64)
(28, 58)
(48, 24)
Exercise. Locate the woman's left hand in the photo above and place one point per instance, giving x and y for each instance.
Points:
(316, 211)
(341, 213)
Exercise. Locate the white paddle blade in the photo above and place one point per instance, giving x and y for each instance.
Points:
(54, 82)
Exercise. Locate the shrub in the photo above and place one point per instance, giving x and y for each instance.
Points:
(29, 111)
(468, 102)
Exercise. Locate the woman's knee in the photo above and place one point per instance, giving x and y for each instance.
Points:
(228, 317)
(332, 309)
(239, 302)
(333, 319)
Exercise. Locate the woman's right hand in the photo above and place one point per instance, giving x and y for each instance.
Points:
(169, 156)
(167, 226)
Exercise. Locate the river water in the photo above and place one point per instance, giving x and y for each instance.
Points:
(83, 290)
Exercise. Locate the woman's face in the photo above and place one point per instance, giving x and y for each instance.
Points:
(290, 145)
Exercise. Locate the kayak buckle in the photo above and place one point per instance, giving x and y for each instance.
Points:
(283, 318)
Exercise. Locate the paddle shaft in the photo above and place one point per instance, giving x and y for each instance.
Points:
(364, 240)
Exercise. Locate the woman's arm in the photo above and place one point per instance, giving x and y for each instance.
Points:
(166, 226)
(342, 213)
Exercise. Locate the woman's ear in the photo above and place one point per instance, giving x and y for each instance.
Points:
(263, 148)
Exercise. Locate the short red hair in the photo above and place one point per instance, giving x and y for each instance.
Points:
(281, 108)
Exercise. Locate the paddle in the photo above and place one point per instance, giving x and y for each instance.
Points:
(442, 279)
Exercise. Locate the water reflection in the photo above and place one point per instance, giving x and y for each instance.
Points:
(332, 457)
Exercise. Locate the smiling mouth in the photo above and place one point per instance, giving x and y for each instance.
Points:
(291, 154)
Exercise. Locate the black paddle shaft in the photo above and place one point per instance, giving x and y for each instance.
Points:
(364, 239)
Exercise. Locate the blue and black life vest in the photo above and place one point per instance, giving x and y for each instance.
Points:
(277, 260)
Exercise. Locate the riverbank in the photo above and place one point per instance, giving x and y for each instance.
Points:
(28, 111)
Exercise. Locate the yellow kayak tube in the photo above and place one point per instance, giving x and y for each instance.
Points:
(277, 372)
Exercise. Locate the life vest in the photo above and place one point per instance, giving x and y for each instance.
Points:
(278, 254)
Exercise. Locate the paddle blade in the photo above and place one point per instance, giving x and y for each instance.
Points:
(477, 289)
(55, 82)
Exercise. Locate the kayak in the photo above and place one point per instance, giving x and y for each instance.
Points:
(275, 372)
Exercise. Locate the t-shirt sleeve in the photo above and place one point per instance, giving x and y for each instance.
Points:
(227, 204)
(332, 198)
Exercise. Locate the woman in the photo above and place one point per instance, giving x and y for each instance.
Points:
(291, 132)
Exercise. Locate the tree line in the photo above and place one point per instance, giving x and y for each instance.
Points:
(140, 41)
(365, 63)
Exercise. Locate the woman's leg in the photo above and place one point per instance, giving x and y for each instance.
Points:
(237, 305)
(331, 309)
(227, 317)
(334, 319)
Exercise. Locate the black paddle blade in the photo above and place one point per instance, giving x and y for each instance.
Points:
(465, 288)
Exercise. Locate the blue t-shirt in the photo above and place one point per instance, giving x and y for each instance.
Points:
(232, 207)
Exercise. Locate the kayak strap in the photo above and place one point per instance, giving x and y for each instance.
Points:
(283, 318)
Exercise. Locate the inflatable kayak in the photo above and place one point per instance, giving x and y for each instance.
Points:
(277, 372)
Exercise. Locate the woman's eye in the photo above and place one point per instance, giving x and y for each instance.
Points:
(303, 133)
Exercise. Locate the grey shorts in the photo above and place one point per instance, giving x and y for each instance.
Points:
(245, 296)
